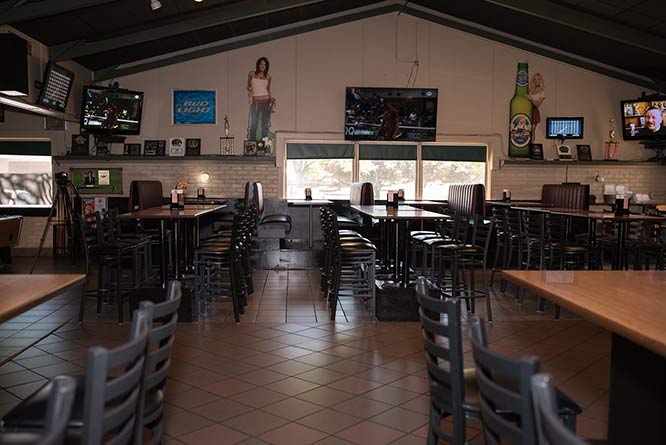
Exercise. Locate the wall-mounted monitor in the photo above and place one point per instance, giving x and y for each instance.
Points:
(56, 86)
(643, 119)
(391, 114)
(564, 128)
(111, 110)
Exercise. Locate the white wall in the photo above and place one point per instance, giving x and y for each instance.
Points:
(475, 78)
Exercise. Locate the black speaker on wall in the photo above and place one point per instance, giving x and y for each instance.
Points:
(14, 75)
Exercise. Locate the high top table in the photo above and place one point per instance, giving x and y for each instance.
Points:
(310, 204)
(401, 217)
(190, 214)
(622, 224)
(632, 305)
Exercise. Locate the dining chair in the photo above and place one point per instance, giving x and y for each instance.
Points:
(161, 319)
(107, 397)
(549, 428)
(454, 394)
(506, 395)
(58, 410)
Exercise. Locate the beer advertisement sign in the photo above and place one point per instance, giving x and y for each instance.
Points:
(194, 107)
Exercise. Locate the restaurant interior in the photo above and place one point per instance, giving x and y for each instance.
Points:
(315, 222)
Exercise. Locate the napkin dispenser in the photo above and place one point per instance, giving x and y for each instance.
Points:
(177, 199)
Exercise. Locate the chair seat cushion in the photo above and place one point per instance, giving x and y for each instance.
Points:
(360, 247)
(460, 248)
(426, 236)
(270, 219)
(434, 242)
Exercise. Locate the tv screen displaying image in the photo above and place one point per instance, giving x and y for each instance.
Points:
(390, 114)
(644, 119)
(564, 128)
(56, 87)
(111, 110)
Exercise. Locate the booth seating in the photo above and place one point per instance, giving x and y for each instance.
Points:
(259, 207)
(360, 193)
(566, 196)
(145, 194)
(467, 199)
(10, 232)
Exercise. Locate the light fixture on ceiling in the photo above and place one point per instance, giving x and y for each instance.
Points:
(198, 1)
(155, 5)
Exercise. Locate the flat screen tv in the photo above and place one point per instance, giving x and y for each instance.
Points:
(564, 128)
(644, 119)
(390, 114)
(111, 110)
(56, 86)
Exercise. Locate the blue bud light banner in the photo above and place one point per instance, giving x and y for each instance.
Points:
(193, 107)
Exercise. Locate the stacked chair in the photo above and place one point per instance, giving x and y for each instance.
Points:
(505, 390)
(349, 263)
(222, 265)
(104, 244)
(120, 398)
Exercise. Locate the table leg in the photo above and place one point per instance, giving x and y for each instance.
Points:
(176, 247)
(310, 227)
(163, 247)
(395, 249)
(619, 245)
(405, 251)
(637, 394)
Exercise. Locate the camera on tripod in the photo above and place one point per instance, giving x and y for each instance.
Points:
(61, 178)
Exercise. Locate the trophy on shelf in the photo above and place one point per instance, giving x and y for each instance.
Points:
(611, 146)
(226, 142)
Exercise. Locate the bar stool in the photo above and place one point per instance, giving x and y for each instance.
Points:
(351, 265)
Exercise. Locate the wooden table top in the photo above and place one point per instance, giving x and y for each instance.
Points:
(191, 211)
(589, 214)
(309, 202)
(425, 203)
(21, 292)
(401, 212)
(629, 303)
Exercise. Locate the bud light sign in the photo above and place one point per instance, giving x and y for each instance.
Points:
(193, 107)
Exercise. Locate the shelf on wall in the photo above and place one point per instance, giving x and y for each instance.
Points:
(255, 160)
(513, 162)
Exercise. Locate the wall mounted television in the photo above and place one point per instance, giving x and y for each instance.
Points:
(390, 114)
(111, 110)
(56, 86)
(564, 128)
(644, 119)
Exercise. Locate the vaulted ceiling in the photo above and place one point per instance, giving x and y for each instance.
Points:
(622, 38)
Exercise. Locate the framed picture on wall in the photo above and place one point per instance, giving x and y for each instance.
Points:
(536, 152)
(250, 148)
(193, 147)
(193, 107)
(154, 148)
(584, 152)
(132, 149)
(93, 181)
(176, 147)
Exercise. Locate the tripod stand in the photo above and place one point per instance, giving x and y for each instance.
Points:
(63, 209)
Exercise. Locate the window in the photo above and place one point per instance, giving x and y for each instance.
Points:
(447, 164)
(388, 167)
(25, 174)
(325, 168)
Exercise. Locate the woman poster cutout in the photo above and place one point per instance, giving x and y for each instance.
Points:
(262, 103)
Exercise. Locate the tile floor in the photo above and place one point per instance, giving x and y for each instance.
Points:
(286, 375)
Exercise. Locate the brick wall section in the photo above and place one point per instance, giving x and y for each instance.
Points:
(525, 181)
(227, 181)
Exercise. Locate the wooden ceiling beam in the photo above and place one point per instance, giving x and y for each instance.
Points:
(192, 22)
(31, 11)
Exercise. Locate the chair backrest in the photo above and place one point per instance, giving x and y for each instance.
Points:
(113, 386)
(483, 232)
(361, 194)
(467, 199)
(505, 392)
(58, 410)
(442, 336)
(145, 194)
(549, 427)
(248, 200)
(161, 319)
(567, 196)
(259, 198)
